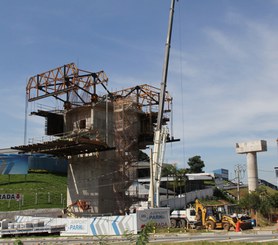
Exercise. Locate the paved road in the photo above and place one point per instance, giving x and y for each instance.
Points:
(260, 237)
(214, 237)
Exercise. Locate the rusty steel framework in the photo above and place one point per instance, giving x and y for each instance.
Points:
(77, 87)
(67, 83)
(144, 95)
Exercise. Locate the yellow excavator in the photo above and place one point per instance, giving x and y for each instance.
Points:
(212, 219)
(81, 204)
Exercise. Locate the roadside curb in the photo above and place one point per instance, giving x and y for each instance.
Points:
(220, 233)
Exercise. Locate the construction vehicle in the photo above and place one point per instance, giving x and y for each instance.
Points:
(184, 218)
(82, 206)
(209, 217)
(161, 130)
(212, 218)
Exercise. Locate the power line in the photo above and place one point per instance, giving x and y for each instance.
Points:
(239, 173)
(268, 171)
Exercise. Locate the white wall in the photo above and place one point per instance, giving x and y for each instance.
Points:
(181, 201)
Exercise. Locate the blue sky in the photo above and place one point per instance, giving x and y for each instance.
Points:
(223, 71)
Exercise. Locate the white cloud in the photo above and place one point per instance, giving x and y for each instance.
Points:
(235, 101)
(229, 92)
(228, 44)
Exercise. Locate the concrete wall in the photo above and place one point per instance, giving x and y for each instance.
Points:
(47, 212)
(101, 178)
(102, 121)
(98, 118)
(91, 179)
(181, 201)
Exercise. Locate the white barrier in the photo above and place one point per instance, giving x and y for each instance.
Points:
(181, 201)
(105, 225)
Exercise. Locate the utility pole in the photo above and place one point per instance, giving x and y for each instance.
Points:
(239, 172)
(276, 173)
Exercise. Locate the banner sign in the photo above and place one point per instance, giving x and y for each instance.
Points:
(7, 196)
(160, 217)
(78, 226)
(13, 164)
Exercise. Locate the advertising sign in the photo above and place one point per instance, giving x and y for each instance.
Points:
(13, 164)
(160, 217)
(7, 196)
(78, 226)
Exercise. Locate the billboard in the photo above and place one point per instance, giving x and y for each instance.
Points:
(13, 164)
(7, 196)
(49, 163)
(160, 217)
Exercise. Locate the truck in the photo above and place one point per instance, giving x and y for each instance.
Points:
(208, 217)
(184, 218)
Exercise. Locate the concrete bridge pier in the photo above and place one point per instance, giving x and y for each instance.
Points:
(251, 149)
(252, 171)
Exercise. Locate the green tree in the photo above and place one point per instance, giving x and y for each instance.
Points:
(182, 171)
(260, 201)
(250, 201)
(274, 200)
(178, 174)
(265, 201)
(144, 235)
(170, 169)
(142, 156)
(196, 164)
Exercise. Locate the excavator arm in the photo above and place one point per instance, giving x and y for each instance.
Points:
(81, 204)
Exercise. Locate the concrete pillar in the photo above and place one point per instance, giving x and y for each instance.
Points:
(252, 171)
(250, 149)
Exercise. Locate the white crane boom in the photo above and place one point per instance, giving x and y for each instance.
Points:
(161, 131)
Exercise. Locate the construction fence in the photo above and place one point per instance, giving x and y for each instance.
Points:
(32, 200)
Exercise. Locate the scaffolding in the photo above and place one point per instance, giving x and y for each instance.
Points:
(126, 129)
(92, 119)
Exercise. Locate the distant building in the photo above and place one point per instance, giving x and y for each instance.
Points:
(222, 174)
(266, 183)
(169, 185)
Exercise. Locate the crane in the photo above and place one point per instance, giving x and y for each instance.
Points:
(161, 131)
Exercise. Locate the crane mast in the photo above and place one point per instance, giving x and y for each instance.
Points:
(161, 131)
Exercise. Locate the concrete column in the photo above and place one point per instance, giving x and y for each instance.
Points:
(250, 149)
(252, 171)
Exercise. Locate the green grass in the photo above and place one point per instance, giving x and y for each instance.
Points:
(215, 242)
(39, 190)
(244, 191)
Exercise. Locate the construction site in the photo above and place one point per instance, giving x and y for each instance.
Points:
(99, 132)
(100, 135)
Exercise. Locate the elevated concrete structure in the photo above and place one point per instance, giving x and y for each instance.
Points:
(99, 132)
(250, 149)
(102, 177)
